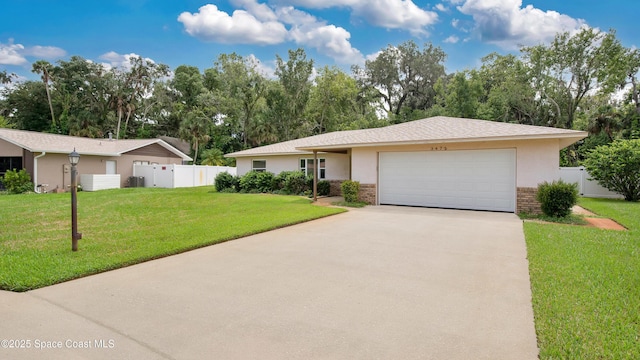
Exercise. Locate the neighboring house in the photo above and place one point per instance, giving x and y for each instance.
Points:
(45, 156)
(435, 162)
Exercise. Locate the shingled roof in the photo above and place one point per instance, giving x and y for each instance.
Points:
(63, 144)
(439, 129)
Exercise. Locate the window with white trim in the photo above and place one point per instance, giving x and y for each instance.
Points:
(259, 165)
(306, 165)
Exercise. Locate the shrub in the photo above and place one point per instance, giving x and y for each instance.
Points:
(249, 182)
(256, 182)
(557, 198)
(265, 182)
(617, 167)
(17, 182)
(324, 188)
(350, 190)
(290, 182)
(225, 181)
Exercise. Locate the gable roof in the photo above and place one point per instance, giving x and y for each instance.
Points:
(439, 129)
(63, 144)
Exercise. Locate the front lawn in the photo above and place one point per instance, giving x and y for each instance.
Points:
(128, 226)
(586, 285)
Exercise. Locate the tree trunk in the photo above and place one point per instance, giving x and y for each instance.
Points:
(45, 78)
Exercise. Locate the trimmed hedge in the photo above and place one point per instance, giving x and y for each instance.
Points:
(350, 190)
(226, 182)
(557, 198)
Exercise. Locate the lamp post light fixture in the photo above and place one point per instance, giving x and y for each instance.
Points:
(74, 157)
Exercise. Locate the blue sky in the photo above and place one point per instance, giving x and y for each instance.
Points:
(333, 32)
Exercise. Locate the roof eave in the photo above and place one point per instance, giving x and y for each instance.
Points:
(239, 155)
(565, 140)
(165, 145)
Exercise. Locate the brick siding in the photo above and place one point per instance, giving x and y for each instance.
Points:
(526, 201)
(367, 193)
(334, 189)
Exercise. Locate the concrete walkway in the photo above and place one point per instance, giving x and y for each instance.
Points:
(373, 283)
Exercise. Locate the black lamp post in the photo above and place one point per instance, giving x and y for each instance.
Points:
(74, 157)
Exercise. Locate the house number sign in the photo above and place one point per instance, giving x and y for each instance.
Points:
(438, 148)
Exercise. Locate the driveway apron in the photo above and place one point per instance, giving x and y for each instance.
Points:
(380, 282)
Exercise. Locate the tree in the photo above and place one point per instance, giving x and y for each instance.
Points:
(565, 71)
(213, 157)
(463, 94)
(508, 94)
(189, 83)
(44, 68)
(27, 106)
(242, 89)
(132, 85)
(606, 120)
(82, 92)
(195, 128)
(288, 98)
(332, 101)
(6, 78)
(404, 74)
(617, 167)
(5, 124)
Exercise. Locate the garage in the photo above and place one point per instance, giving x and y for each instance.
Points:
(460, 179)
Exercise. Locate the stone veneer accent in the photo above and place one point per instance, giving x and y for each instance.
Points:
(526, 201)
(334, 189)
(367, 193)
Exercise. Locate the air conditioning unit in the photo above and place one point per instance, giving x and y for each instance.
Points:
(136, 181)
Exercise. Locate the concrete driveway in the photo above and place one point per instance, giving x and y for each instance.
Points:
(374, 283)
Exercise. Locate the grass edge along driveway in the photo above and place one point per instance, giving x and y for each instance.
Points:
(127, 226)
(586, 285)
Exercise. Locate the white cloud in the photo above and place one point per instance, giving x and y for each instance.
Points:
(507, 24)
(372, 57)
(115, 60)
(441, 7)
(390, 14)
(46, 52)
(260, 67)
(329, 40)
(15, 54)
(265, 25)
(10, 54)
(262, 12)
(452, 39)
(243, 27)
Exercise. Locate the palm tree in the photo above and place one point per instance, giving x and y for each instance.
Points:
(44, 68)
(606, 120)
(195, 128)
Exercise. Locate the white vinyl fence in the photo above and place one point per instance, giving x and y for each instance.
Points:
(95, 182)
(587, 188)
(175, 176)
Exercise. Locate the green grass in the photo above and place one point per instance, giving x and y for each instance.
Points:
(572, 219)
(128, 226)
(586, 285)
(357, 204)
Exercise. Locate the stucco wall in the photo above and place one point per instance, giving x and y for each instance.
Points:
(8, 149)
(336, 165)
(51, 167)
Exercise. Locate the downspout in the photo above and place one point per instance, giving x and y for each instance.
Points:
(35, 170)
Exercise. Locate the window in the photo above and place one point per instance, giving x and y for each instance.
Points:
(306, 165)
(9, 163)
(259, 165)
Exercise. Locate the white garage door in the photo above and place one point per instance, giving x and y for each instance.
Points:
(466, 179)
